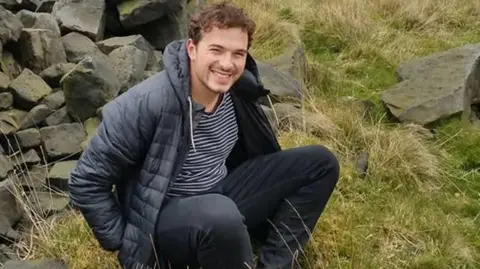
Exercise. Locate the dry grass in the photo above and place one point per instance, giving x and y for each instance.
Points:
(418, 205)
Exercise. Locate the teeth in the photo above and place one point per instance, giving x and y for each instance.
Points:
(221, 75)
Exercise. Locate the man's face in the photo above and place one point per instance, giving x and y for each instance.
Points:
(218, 60)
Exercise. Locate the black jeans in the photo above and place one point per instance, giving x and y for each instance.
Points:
(276, 199)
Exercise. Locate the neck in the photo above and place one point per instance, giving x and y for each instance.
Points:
(203, 96)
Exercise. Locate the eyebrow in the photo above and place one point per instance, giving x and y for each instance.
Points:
(221, 47)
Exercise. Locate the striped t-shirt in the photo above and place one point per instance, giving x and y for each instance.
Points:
(214, 138)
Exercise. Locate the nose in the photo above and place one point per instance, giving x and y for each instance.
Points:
(226, 61)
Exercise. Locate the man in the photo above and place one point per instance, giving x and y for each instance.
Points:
(197, 169)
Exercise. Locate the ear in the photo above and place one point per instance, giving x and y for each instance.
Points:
(191, 49)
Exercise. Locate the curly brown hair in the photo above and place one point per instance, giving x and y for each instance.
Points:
(222, 15)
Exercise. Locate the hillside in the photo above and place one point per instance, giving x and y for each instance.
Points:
(409, 195)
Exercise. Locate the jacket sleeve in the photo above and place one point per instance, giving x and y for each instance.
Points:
(121, 141)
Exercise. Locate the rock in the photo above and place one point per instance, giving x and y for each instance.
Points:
(77, 46)
(6, 100)
(292, 61)
(54, 100)
(113, 43)
(155, 62)
(288, 117)
(89, 86)
(35, 116)
(16, 5)
(139, 12)
(91, 126)
(161, 32)
(4, 81)
(28, 89)
(10, 26)
(60, 173)
(26, 159)
(63, 140)
(6, 254)
(41, 48)
(28, 138)
(46, 6)
(82, 16)
(38, 20)
(58, 117)
(32, 179)
(6, 166)
(10, 120)
(45, 203)
(11, 212)
(130, 63)
(35, 264)
(362, 164)
(9, 65)
(282, 85)
(54, 73)
(436, 86)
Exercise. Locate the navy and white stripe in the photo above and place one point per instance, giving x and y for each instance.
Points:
(214, 138)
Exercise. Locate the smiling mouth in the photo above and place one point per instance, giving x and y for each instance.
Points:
(221, 74)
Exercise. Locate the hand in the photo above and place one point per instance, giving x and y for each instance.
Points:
(116, 252)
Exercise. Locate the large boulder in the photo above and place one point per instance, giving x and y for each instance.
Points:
(130, 63)
(10, 26)
(35, 116)
(38, 20)
(77, 46)
(139, 12)
(159, 33)
(84, 16)
(10, 120)
(281, 84)
(41, 48)
(60, 173)
(63, 140)
(55, 100)
(58, 117)
(436, 86)
(28, 89)
(11, 211)
(54, 73)
(90, 85)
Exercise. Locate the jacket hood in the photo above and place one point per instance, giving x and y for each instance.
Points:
(176, 64)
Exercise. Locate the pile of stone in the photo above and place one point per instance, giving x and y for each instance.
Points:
(60, 62)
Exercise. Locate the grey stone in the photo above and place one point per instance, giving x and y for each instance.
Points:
(63, 140)
(140, 12)
(10, 26)
(89, 86)
(60, 173)
(9, 65)
(11, 212)
(4, 81)
(161, 32)
(28, 138)
(35, 264)
(45, 203)
(34, 178)
(282, 85)
(46, 6)
(28, 89)
(6, 166)
(54, 100)
(17, 5)
(25, 159)
(83, 16)
(58, 117)
(6, 100)
(77, 46)
(6, 254)
(113, 43)
(38, 20)
(54, 73)
(130, 63)
(40, 49)
(90, 126)
(436, 86)
(10, 120)
(35, 116)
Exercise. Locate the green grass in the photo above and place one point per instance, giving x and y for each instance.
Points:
(419, 204)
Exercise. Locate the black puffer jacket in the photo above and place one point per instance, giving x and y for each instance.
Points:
(140, 146)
